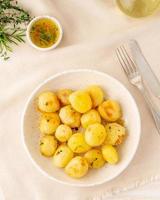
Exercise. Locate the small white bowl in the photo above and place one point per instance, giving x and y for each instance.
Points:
(73, 79)
(30, 26)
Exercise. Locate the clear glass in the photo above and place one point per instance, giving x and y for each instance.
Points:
(138, 8)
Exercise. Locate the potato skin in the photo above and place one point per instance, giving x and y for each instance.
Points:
(63, 96)
(115, 134)
(94, 158)
(110, 154)
(80, 101)
(70, 117)
(63, 133)
(89, 118)
(48, 102)
(77, 167)
(96, 94)
(78, 144)
(62, 156)
(49, 123)
(48, 145)
(110, 110)
(95, 134)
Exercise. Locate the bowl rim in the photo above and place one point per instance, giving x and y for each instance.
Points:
(55, 20)
(25, 145)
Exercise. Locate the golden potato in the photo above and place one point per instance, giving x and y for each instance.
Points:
(89, 118)
(77, 167)
(80, 101)
(63, 133)
(95, 134)
(49, 123)
(110, 154)
(110, 110)
(96, 94)
(78, 144)
(94, 158)
(63, 96)
(115, 134)
(62, 156)
(48, 145)
(48, 102)
(69, 116)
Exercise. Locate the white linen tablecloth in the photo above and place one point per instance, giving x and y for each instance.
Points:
(92, 30)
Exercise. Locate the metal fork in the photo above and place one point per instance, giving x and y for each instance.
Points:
(135, 79)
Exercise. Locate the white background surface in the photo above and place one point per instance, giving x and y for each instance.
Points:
(92, 30)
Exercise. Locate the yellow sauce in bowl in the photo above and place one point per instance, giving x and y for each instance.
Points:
(44, 33)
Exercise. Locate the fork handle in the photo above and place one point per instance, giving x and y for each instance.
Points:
(153, 108)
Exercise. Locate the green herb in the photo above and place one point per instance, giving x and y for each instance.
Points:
(45, 36)
(58, 152)
(13, 21)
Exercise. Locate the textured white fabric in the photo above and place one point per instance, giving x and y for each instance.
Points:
(92, 30)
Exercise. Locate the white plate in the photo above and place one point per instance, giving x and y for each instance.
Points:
(77, 79)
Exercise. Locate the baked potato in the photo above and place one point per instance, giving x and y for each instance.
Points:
(110, 154)
(48, 145)
(63, 96)
(49, 123)
(110, 110)
(62, 156)
(78, 144)
(69, 116)
(48, 102)
(95, 134)
(77, 167)
(115, 134)
(91, 117)
(94, 158)
(63, 133)
(96, 94)
(80, 101)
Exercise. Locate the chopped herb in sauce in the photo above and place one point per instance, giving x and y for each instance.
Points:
(44, 33)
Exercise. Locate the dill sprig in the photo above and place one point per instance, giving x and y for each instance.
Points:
(13, 21)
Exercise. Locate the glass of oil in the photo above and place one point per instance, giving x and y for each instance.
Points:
(138, 8)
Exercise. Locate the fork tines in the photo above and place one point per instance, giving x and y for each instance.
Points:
(125, 60)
